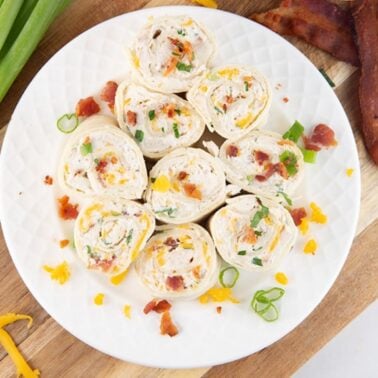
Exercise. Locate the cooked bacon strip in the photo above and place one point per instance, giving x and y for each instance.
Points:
(260, 157)
(323, 24)
(166, 325)
(48, 180)
(67, 210)
(157, 306)
(87, 107)
(176, 283)
(322, 136)
(270, 169)
(366, 23)
(298, 214)
(100, 167)
(108, 93)
(182, 175)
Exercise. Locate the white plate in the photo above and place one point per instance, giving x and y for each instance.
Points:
(32, 228)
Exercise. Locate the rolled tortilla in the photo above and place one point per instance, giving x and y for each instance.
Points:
(169, 52)
(159, 122)
(263, 163)
(253, 233)
(101, 159)
(186, 185)
(110, 233)
(232, 99)
(178, 262)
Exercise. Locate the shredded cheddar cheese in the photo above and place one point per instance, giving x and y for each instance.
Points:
(127, 311)
(317, 215)
(135, 251)
(60, 273)
(303, 226)
(63, 243)
(203, 88)
(117, 279)
(229, 72)
(281, 278)
(244, 122)
(135, 59)
(349, 172)
(23, 369)
(99, 299)
(161, 184)
(218, 294)
(310, 247)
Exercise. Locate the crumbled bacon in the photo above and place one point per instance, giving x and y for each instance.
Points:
(131, 118)
(249, 236)
(114, 160)
(281, 170)
(48, 180)
(224, 107)
(105, 265)
(270, 169)
(172, 243)
(219, 309)
(298, 214)
(175, 283)
(285, 100)
(232, 151)
(197, 272)
(260, 157)
(101, 165)
(157, 306)
(166, 325)
(192, 191)
(322, 136)
(87, 107)
(182, 175)
(309, 145)
(176, 42)
(171, 65)
(169, 110)
(108, 93)
(66, 210)
(229, 99)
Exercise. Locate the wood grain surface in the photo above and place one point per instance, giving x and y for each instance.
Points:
(56, 353)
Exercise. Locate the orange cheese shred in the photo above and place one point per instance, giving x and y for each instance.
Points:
(60, 273)
(218, 294)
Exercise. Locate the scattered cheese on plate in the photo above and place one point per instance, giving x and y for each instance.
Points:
(60, 273)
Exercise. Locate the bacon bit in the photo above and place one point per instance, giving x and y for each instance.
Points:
(298, 214)
(169, 110)
(131, 118)
(197, 272)
(232, 151)
(63, 243)
(176, 283)
(101, 165)
(156, 34)
(86, 107)
(114, 160)
(176, 42)
(156, 305)
(270, 169)
(322, 136)
(281, 170)
(219, 309)
(105, 265)
(170, 66)
(249, 236)
(285, 100)
(260, 178)
(48, 180)
(66, 210)
(260, 157)
(172, 243)
(229, 99)
(182, 175)
(192, 191)
(224, 107)
(309, 145)
(166, 325)
(108, 93)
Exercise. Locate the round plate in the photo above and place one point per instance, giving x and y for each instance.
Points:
(32, 229)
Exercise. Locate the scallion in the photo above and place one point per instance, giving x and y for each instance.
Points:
(260, 214)
(290, 161)
(242, 253)
(129, 236)
(67, 123)
(257, 261)
(184, 67)
(309, 156)
(295, 132)
(234, 272)
(86, 148)
(151, 114)
(139, 135)
(262, 303)
(286, 197)
(176, 130)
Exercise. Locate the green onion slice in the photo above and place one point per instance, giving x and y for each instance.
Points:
(184, 67)
(257, 261)
(176, 130)
(262, 213)
(309, 156)
(151, 114)
(295, 132)
(235, 274)
(286, 197)
(86, 148)
(67, 123)
(262, 303)
(290, 161)
(139, 135)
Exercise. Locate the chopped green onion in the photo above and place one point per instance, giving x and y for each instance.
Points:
(290, 160)
(86, 148)
(309, 156)
(151, 114)
(235, 274)
(115, 213)
(258, 233)
(246, 86)
(184, 67)
(250, 178)
(287, 198)
(242, 253)
(8, 13)
(129, 236)
(329, 80)
(176, 130)
(218, 110)
(178, 111)
(295, 132)
(262, 303)
(96, 161)
(175, 53)
(257, 261)
(169, 211)
(139, 135)
(260, 214)
(153, 179)
(181, 32)
(67, 123)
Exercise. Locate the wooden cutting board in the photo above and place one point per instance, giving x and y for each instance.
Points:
(56, 353)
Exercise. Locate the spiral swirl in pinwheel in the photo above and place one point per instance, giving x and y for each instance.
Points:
(110, 233)
(232, 99)
(158, 122)
(101, 159)
(178, 262)
(186, 185)
(253, 233)
(263, 163)
(170, 52)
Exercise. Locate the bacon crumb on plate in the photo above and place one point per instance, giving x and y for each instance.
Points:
(108, 93)
(48, 180)
(219, 309)
(322, 136)
(166, 325)
(87, 107)
(176, 283)
(67, 210)
(285, 100)
(298, 214)
(156, 305)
